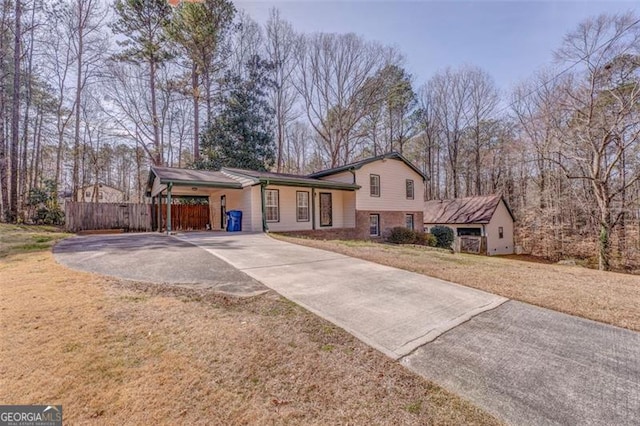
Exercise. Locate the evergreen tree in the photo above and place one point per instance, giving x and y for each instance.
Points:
(242, 134)
(199, 29)
(143, 23)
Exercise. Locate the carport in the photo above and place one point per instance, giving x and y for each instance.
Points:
(165, 184)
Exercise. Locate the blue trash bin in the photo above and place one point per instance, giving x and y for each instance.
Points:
(234, 221)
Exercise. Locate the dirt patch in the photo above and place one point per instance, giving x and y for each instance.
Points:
(608, 297)
(116, 352)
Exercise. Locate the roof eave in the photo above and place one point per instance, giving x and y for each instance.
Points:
(294, 182)
(202, 183)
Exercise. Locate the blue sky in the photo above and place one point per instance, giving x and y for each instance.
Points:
(509, 39)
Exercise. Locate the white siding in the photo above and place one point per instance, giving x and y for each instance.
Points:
(106, 194)
(236, 199)
(288, 217)
(349, 209)
(501, 218)
(393, 175)
(344, 177)
(338, 209)
(157, 187)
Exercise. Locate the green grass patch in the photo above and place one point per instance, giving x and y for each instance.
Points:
(327, 348)
(414, 407)
(15, 239)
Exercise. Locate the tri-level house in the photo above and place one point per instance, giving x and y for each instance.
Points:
(365, 198)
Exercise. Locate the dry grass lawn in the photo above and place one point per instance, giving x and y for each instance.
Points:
(116, 352)
(608, 297)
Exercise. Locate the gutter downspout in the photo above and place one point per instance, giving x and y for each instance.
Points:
(353, 172)
(263, 185)
(313, 208)
(169, 187)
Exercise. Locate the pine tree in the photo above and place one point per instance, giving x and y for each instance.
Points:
(242, 134)
(143, 22)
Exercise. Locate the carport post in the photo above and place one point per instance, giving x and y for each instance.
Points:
(169, 186)
(159, 196)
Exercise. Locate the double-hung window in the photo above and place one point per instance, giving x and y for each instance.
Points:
(374, 225)
(374, 185)
(409, 189)
(408, 220)
(302, 206)
(272, 205)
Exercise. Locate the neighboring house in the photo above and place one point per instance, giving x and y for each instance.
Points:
(101, 194)
(487, 216)
(367, 197)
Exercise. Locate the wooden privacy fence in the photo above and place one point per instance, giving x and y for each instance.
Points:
(186, 217)
(86, 216)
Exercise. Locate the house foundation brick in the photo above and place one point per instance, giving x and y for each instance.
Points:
(388, 221)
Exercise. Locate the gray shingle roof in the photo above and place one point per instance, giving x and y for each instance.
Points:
(289, 179)
(187, 176)
(462, 210)
(358, 164)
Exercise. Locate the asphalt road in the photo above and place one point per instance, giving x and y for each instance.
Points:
(154, 258)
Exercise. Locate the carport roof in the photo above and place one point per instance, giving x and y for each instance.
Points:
(237, 178)
(193, 177)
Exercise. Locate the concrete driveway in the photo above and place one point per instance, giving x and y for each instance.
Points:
(154, 258)
(392, 310)
(534, 366)
(524, 364)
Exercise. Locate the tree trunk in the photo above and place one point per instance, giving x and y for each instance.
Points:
(196, 112)
(76, 139)
(157, 157)
(15, 116)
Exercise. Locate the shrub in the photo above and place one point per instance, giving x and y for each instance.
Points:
(443, 235)
(402, 235)
(430, 240)
(43, 204)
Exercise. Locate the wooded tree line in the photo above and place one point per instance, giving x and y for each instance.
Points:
(95, 91)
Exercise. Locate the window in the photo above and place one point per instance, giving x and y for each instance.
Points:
(272, 205)
(409, 187)
(374, 225)
(469, 232)
(500, 232)
(87, 194)
(302, 206)
(326, 209)
(100, 195)
(374, 185)
(408, 220)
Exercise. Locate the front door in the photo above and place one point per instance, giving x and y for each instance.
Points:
(326, 207)
(223, 212)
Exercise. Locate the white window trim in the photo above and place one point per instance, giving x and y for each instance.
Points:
(377, 216)
(379, 186)
(413, 189)
(413, 222)
(267, 206)
(298, 207)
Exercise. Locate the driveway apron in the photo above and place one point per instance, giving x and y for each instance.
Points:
(154, 258)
